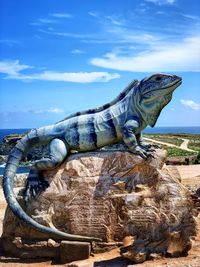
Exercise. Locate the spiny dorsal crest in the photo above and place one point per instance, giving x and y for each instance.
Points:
(105, 106)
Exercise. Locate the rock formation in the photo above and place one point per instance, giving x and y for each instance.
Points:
(19, 181)
(9, 141)
(110, 195)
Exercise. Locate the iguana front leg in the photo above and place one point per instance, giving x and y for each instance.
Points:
(129, 137)
(146, 146)
(35, 182)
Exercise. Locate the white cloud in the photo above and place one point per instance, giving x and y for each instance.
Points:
(50, 110)
(115, 20)
(77, 77)
(12, 67)
(191, 104)
(55, 110)
(13, 71)
(46, 21)
(180, 56)
(77, 51)
(192, 17)
(62, 15)
(94, 14)
(10, 42)
(160, 12)
(66, 34)
(36, 111)
(51, 19)
(113, 35)
(114, 30)
(42, 21)
(162, 2)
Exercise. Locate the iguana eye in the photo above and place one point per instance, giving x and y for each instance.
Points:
(158, 78)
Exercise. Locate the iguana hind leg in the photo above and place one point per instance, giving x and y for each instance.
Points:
(35, 183)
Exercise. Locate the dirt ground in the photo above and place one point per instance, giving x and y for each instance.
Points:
(190, 176)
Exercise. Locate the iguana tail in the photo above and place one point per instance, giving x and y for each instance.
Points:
(15, 157)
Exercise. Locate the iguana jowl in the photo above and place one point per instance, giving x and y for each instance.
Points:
(123, 119)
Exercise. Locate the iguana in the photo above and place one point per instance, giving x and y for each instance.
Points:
(122, 119)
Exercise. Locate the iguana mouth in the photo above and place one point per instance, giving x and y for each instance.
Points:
(177, 83)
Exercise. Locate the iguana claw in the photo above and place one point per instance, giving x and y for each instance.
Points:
(142, 152)
(148, 147)
(156, 146)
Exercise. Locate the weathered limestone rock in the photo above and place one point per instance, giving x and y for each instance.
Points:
(110, 195)
(74, 251)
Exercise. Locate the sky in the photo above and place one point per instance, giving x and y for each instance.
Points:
(59, 57)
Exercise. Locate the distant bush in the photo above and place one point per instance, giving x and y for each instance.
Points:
(176, 152)
(194, 144)
(197, 160)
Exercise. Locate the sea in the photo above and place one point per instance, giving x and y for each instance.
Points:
(155, 130)
(159, 130)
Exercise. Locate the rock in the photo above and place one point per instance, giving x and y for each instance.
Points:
(19, 180)
(29, 249)
(3, 159)
(9, 141)
(12, 138)
(5, 148)
(112, 195)
(74, 251)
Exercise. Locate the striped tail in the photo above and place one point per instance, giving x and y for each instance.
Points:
(14, 159)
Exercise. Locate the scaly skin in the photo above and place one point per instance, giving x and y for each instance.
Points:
(123, 119)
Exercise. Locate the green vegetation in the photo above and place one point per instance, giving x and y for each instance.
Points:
(177, 139)
(197, 159)
(195, 143)
(184, 136)
(177, 152)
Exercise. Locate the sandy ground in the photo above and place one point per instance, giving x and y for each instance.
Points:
(185, 143)
(190, 175)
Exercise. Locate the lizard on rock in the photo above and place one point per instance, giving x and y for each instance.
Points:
(123, 119)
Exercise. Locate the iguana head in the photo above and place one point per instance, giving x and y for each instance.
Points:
(155, 92)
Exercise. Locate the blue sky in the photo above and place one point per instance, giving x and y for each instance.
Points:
(58, 57)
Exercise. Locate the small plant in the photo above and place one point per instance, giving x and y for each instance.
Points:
(197, 160)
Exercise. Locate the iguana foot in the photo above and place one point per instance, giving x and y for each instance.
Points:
(145, 154)
(35, 184)
(149, 147)
(156, 146)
